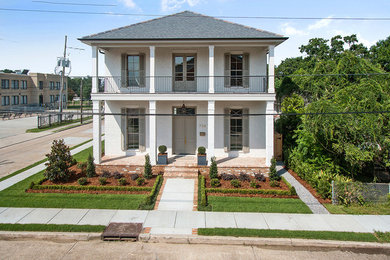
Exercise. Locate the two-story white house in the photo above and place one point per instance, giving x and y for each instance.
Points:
(185, 80)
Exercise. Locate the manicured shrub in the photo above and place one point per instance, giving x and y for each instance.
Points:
(140, 181)
(59, 161)
(244, 177)
(235, 183)
(117, 175)
(249, 191)
(91, 172)
(213, 169)
(148, 168)
(253, 184)
(150, 199)
(260, 177)
(162, 149)
(103, 181)
(106, 174)
(203, 197)
(82, 181)
(274, 183)
(122, 181)
(228, 177)
(134, 176)
(273, 175)
(201, 150)
(215, 182)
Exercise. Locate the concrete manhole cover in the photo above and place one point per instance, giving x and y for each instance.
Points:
(122, 231)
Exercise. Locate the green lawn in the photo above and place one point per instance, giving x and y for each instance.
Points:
(51, 228)
(56, 125)
(256, 204)
(16, 196)
(367, 209)
(324, 235)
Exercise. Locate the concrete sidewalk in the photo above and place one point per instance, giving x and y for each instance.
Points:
(182, 222)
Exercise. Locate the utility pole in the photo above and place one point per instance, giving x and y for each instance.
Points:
(62, 77)
(81, 101)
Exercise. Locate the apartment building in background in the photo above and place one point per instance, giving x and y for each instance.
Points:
(22, 89)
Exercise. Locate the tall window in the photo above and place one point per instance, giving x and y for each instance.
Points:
(15, 84)
(5, 100)
(24, 84)
(40, 84)
(58, 85)
(135, 128)
(51, 85)
(24, 100)
(135, 70)
(15, 100)
(236, 127)
(236, 70)
(5, 83)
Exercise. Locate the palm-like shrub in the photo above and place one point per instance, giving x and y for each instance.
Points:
(213, 169)
(273, 175)
(91, 172)
(147, 168)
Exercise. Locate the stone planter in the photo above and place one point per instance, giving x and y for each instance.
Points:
(162, 159)
(202, 159)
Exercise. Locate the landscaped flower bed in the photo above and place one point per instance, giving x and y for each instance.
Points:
(113, 183)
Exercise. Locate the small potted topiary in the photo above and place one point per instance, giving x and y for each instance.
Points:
(202, 158)
(162, 158)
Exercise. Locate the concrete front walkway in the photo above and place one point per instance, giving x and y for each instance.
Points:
(178, 194)
(182, 222)
(315, 206)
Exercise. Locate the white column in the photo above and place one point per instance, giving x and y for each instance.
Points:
(269, 133)
(152, 69)
(97, 131)
(152, 132)
(95, 69)
(210, 130)
(211, 69)
(271, 69)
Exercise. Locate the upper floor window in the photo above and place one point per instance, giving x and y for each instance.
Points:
(236, 70)
(133, 70)
(24, 84)
(5, 83)
(64, 86)
(15, 100)
(40, 84)
(58, 85)
(15, 84)
(51, 84)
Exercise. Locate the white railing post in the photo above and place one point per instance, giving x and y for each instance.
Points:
(271, 69)
(152, 69)
(211, 69)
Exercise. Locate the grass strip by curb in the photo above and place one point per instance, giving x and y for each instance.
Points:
(51, 228)
(322, 235)
(55, 125)
(37, 163)
(88, 121)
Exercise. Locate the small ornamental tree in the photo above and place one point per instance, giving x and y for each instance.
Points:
(59, 161)
(213, 169)
(147, 168)
(91, 172)
(273, 175)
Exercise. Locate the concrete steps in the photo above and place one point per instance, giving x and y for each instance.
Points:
(180, 172)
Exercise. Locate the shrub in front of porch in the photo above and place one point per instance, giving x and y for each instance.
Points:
(202, 158)
(147, 168)
(162, 157)
(213, 169)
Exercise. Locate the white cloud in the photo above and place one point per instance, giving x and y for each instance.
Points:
(289, 30)
(128, 3)
(320, 24)
(171, 5)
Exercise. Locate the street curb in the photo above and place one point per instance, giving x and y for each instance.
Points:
(264, 242)
(52, 236)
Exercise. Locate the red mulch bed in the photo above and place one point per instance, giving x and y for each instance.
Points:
(308, 187)
(76, 174)
(246, 185)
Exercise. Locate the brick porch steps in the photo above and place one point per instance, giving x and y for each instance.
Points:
(181, 172)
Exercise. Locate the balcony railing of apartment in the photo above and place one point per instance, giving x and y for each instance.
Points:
(175, 84)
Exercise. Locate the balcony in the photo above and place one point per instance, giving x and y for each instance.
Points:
(194, 84)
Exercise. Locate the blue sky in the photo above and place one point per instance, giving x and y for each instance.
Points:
(34, 40)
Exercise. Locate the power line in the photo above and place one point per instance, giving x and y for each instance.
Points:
(69, 3)
(189, 16)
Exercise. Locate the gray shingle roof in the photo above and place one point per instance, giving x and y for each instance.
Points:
(184, 26)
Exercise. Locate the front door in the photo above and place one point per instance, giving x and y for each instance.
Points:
(184, 73)
(184, 130)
